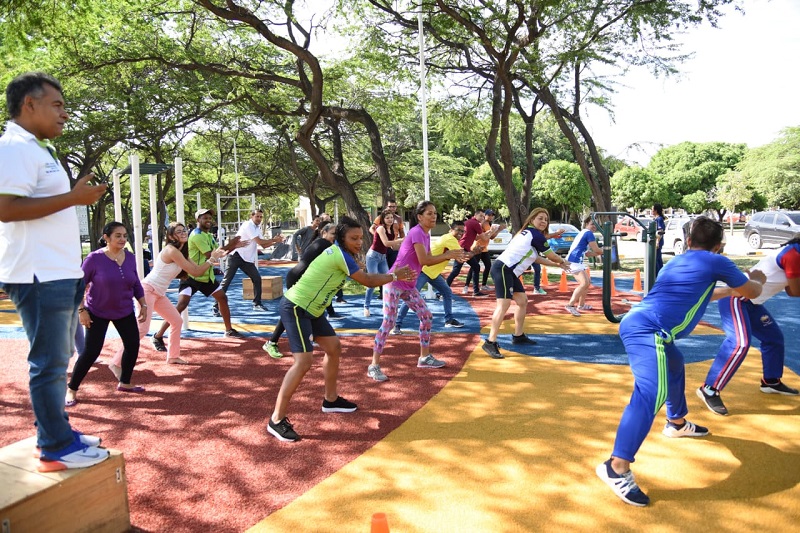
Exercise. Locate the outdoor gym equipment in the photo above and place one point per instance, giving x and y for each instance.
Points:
(607, 231)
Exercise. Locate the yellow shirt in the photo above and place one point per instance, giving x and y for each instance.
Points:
(442, 244)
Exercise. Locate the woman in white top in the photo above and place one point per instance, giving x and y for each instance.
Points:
(170, 263)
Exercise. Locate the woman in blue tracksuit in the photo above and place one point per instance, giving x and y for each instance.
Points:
(670, 311)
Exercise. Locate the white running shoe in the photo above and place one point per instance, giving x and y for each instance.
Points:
(375, 372)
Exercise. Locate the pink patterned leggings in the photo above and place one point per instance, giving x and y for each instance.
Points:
(412, 297)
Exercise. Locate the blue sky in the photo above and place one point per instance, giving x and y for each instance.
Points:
(742, 86)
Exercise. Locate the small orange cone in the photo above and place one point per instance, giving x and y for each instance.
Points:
(562, 285)
(379, 523)
(637, 281)
(545, 279)
(613, 287)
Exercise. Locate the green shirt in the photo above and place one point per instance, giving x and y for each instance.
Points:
(323, 278)
(201, 243)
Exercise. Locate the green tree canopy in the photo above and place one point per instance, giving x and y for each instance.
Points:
(774, 169)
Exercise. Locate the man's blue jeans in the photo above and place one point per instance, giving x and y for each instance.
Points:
(49, 313)
(441, 286)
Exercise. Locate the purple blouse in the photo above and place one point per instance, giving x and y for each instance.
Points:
(111, 287)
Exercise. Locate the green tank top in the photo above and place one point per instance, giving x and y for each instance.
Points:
(320, 282)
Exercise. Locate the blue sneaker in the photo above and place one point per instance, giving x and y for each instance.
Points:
(86, 440)
(76, 455)
(623, 485)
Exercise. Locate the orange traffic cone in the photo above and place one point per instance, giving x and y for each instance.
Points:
(613, 287)
(562, 285)
(545, 279)
(637, 281)
(379, 523)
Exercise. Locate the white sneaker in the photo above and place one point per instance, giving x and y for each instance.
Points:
(465, 290)
(429, 361)
(375, 372)
(117, 371)
(573, 310)
(366, 312)
(396, 331)
(76, 455)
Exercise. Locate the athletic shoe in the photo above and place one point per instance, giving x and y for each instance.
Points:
(341, 300)
(76, 455)
(339, 405)
(259, 307)
(453, 323)
(688, 429)
(465, 290)
(623, 485)
(283, 430)
(492, 349)
(86, 440)
(777, 388)
(485, 288)
(158, 344)
(396, 331)
(375, 372)
(335, 316)
(215, 312)
(713, 401)
(539, 291)
(429, 361)
(116, 370)
(571, 309)
(234, 334)
(366, 312)
(272, 349)
(522, 339)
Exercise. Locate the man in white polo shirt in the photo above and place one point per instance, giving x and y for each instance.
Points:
(246, 257)
(40, 259)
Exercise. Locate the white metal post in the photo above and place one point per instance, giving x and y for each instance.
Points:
(117, 195)
(180, 214)
(154, 215)
(136, 204)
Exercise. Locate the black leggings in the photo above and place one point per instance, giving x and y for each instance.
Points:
(486, 258)
(128, 329)
(291, 279)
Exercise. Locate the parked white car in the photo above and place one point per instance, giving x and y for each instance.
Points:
(500, 242)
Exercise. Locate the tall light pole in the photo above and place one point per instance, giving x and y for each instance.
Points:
(423, 99)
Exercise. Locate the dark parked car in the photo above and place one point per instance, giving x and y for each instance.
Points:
(562, 244)
(775, 227)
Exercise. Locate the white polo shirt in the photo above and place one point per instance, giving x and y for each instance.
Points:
(48, 247)
(249, 231)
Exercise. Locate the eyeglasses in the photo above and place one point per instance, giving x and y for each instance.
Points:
(181, 232)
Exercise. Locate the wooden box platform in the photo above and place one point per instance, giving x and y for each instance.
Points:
(87, 499)
(271, 288)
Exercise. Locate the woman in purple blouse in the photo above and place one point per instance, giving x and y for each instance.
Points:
(111, 285)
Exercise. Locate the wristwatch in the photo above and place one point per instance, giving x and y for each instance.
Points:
(394, 276)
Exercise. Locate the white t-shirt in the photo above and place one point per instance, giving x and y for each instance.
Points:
(48, 247)
(249, 231)
(776, 277)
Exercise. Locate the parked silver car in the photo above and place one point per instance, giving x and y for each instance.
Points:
(774, 227)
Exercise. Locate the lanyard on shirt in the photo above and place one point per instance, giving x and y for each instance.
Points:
(49, 147)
